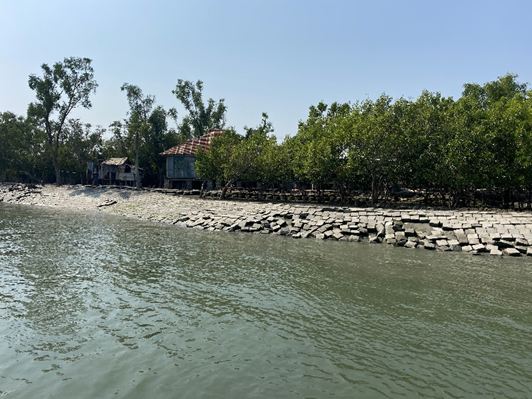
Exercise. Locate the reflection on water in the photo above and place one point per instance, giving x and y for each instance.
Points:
(97, 306)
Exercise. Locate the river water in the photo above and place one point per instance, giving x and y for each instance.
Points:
(98, 306)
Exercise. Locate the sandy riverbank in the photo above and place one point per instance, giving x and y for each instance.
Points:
(496, 233)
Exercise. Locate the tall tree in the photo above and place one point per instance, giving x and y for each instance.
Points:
(12, 129)
(320, 156)
(201, 117)
(374, 149)
(217, 163)
(233, 157)
(147, 124)
(82, 143)
(61, 88)
(22, 153)
(424, 134)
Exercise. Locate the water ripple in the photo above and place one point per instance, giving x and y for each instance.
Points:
(98, 306)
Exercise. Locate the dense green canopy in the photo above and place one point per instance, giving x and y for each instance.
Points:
(448, 151)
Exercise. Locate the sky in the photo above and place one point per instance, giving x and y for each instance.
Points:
(272, 56)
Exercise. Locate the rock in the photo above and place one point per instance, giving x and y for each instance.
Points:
(462, 239)
(255, 227)
(442, 243)
(495, 236)
(375, 240)
(504, 244)
(495, 252)
(410, 244)
(337, 235)
(511, 252)
(400, 235)
(401, 242)
(522, 250)
(410, 232)
(479, 248)
(507, 237)
(522, 242)
(429, 245)
(421, 233)
(107, 203)
(473, 239)
(398, 226)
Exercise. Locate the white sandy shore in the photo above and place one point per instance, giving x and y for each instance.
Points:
(493, 232)
(127, 202)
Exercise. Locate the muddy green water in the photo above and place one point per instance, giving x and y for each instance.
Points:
(97, 306)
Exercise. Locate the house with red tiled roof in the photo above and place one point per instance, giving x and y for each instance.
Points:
(180, 160)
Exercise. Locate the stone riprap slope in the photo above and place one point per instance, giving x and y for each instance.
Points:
(494, 232)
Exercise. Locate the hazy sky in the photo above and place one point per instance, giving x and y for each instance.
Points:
(274, 56)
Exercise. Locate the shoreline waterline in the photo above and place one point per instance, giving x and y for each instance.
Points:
(495, 233)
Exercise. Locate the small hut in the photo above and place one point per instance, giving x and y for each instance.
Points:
(117, 171)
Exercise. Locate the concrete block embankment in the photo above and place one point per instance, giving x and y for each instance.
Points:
(475, 232)
(496, 233)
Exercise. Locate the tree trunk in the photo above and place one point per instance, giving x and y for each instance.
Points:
(160, 172)
(343, 192)
(506, 198)
(224, 191)
(57, 170)
(374, 189)
(225, 188)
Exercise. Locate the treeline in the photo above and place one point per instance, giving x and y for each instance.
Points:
(48, 146)
(449, 152)
(454, 153)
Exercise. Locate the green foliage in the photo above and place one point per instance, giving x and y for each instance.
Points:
(62, 88)
(233, 157)
(201, 117)
(81, 145)
(23, 154)
(216, 164)
(149, 122)
(446, 149)
(435, 144)
(374, 150)
(320, 149)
